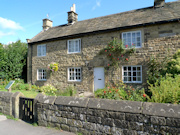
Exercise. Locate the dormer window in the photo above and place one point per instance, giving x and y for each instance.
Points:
(74, 46)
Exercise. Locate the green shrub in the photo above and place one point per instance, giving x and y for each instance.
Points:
(121, 92)
(48, 90)
(69, 91)
(166, 91)
(158, 68)
(173, 66)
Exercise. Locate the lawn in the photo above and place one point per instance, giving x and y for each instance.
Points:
(29, 94)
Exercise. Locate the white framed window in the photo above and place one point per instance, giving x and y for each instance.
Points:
(41, 50)
(41, 74)
(74, 74)
(132, 74)
(74, 46)
(132, 39)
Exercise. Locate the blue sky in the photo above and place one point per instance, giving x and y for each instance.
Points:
(22, 19)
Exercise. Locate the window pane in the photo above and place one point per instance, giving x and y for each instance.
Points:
(129, 73)
(125, 68)
(125, 73)
(134, 78)
(134, 73)
(138, 34)
(129, 78)
(138, 73)
(125, 78)
(134, 68)
(129, 68)
(138, 68)
(138, 78)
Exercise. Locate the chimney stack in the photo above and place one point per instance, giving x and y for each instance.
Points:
(159, 3)
(72, 15)
(47, 24)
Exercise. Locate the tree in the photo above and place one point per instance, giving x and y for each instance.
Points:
(2, 62)
(14, 57)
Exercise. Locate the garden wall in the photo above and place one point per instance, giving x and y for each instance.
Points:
(9, 103)
(99, 116)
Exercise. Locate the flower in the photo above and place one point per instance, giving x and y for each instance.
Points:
(117, 90)
(132, 88)
(127, 59)
(144, 95)
(112, 47)
(105, 50)
(109, 91)
(121, 55)
(108, 87)
(109, 54)
(126, 46)
(108, 64)
(104, 92)
(53, 66)
(117, 58)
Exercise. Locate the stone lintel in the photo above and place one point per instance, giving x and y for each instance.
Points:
(72, 101)
(114, 105)
(160, 109)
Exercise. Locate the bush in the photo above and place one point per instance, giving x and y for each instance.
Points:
(166, 91)
(48, 90)
(121, 92)
(69, 91)
(158, 68)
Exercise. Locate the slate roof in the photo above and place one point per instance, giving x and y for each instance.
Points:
(145, 16)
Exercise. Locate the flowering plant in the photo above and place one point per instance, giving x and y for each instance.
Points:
(116, 51)
(121, 91)
(53, 67)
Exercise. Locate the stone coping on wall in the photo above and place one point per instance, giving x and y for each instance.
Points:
(146, 108)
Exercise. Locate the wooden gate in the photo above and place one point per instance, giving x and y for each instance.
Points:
(26, 109)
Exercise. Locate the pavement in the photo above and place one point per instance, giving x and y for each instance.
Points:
(12, 127)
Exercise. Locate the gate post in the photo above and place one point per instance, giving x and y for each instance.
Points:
(35, 106)
(15, 104)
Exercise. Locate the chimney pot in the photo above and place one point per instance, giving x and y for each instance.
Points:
(72, 15)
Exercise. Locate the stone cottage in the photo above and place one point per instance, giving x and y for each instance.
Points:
(75, 47)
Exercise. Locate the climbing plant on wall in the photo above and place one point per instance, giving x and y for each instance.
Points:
(117, 52)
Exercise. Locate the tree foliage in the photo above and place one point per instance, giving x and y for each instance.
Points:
(158, 68)
(14, 59)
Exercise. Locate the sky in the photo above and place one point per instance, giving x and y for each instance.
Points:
(22, 19)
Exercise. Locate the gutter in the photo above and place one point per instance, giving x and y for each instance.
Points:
(105, 30)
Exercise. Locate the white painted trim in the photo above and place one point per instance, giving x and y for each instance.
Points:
(131, 36)
(38, 74)
(131, 73)
(74, 77)
(79, 46)
(41, 50)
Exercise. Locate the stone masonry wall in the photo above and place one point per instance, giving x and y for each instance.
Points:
(6, 102)
(9, 103)
(108, 117)
(156, 40)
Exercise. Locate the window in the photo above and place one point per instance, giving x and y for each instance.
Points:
(132, 74)
(74, 46)
(74, 74)
(41, 74)
(41, 50)
(132, 39)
